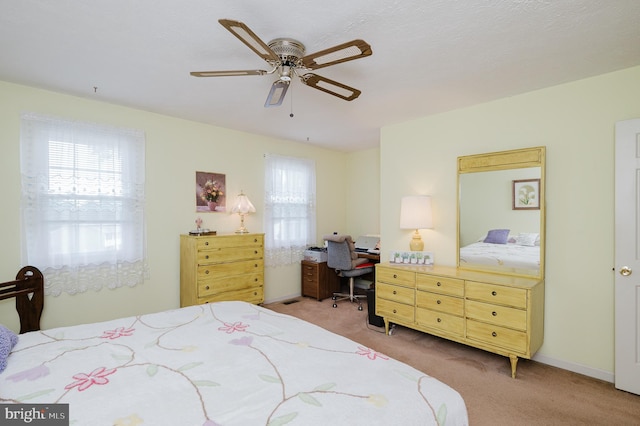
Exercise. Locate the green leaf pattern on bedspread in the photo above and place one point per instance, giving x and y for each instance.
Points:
(227, 363)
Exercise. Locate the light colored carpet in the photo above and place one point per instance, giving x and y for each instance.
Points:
(540, 395)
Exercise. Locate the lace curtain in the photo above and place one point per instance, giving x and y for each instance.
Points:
(290, 208)
(82, 204)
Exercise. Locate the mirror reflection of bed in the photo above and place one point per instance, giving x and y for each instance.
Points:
(492, 234)
(517, 252)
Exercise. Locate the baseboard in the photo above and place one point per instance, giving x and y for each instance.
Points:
(282, 299)
(576, 368)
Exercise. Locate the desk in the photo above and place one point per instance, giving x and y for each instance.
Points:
(375, 258)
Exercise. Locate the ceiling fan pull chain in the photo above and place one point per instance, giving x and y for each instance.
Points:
(291, 98)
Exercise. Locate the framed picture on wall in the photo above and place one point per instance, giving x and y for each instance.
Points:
(210, 192)
(526, 194)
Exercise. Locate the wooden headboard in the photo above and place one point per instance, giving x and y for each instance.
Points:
(28, 289)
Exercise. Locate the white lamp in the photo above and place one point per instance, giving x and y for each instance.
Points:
(242, 206)
(415, 213)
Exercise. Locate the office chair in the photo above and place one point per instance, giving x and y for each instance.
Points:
(342, 257)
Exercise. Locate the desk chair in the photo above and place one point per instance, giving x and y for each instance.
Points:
(342, 257)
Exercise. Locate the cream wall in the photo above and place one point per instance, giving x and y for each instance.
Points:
(363, 196)
(175, 149)
(575, 121)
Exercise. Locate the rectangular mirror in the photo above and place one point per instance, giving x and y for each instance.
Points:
(501, 206)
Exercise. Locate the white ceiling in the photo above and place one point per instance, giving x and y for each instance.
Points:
(429, 56)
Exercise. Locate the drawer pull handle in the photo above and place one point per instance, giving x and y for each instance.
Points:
(256, 265)
(494, 293)
(206, 272)
(395, 292)
(395, 312)
(438, 283)
(206, 288)
(255, 240)
(206, 257)
(439, 320)
(494, 313)
(438, 302)
(395, 276)
(494, 334)
(206, 243)
(255, 280)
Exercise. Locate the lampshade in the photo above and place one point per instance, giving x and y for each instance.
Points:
(415, 213)
(242, 206)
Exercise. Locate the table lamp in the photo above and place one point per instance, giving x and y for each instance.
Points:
(415, 213)
(242, 206)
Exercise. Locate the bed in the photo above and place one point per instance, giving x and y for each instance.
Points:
(507, 255)
(500, 248)
(225, 363)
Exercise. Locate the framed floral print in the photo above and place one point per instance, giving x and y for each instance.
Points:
(210, 192)
(526, 194)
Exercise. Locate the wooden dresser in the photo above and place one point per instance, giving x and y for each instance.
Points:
(221, 267)
(317, 280)
(497, 313)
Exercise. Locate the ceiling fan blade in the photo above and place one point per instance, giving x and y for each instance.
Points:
(227, 73)
(249, 38)
(344, 52)
(331, 87)
(276, 94)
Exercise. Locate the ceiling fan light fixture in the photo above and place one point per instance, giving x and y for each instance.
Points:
(285, 73)
(276, 94)
(286, 56)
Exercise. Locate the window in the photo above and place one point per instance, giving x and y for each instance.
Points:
(82, 204)
(290, 208)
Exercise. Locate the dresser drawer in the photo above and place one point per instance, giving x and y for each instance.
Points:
(219, 255)
(251, 295)
(509, 296)
(443, 285)
(440, 302)
(395, 293)
(497, 336)
(227, 241)
(213, 286)
(396, 276)
(496, 314)
(394, 311)
(451, 324)
(228, 269)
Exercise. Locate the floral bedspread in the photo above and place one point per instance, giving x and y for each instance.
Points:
(509, 255)
(226, 363)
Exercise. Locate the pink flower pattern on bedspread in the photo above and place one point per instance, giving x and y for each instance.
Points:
(96, 377)
(118, 332)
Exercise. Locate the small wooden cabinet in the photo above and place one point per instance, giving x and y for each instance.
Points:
(318, 280)
(497, 313)
(221, 267)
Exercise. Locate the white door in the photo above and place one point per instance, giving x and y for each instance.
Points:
(627, 256)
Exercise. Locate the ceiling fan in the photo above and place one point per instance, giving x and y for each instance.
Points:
(287, 58)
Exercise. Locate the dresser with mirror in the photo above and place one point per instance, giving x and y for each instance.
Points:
(493, 299)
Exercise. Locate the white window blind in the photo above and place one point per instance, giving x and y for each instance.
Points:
(82, 204)
(290, 208)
